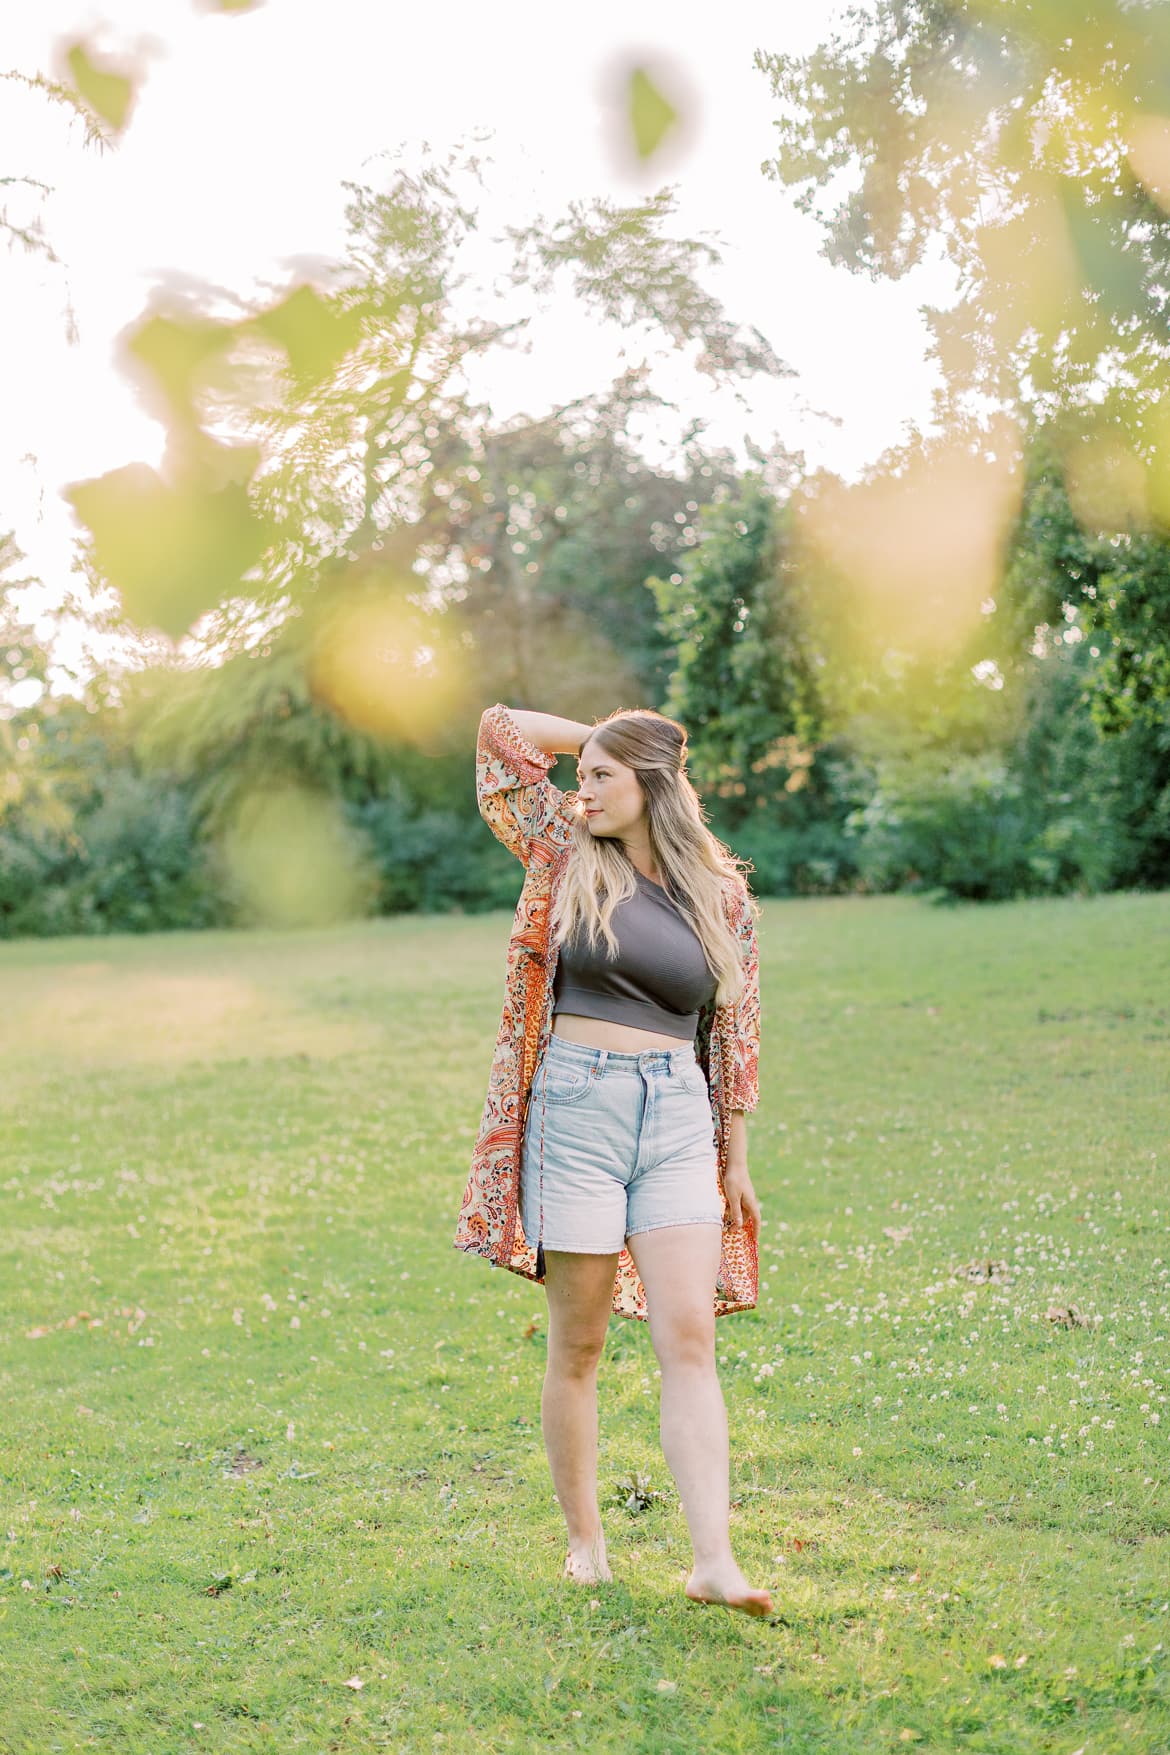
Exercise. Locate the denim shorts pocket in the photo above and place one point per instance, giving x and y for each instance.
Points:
(564, 1086)
(694, 1082)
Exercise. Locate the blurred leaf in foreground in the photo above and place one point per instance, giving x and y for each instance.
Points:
(177, 351)
(109, 94)
(315, 333)
(652, 115)
(173, 549)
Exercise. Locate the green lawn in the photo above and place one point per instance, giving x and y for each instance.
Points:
(272, 1476)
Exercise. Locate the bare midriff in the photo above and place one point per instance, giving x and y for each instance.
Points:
(622, 1038)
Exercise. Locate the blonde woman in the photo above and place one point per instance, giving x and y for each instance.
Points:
(611, 1160)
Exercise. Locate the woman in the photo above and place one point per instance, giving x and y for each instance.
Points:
(611, 1160)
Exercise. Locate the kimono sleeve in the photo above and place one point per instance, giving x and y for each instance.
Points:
(516, 798)
(745, 1090)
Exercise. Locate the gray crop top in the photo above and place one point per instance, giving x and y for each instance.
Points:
(659, 979)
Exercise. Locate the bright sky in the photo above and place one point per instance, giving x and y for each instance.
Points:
(245, 125)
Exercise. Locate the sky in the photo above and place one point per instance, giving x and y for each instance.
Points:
(229, 174)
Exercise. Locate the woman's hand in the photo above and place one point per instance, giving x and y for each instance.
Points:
(741, 1197)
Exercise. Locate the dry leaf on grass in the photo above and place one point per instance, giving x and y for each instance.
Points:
(1068, 1316)
(243, 1464)
(983, 1271)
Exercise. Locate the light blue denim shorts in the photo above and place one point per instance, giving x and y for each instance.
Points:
(628, 1146)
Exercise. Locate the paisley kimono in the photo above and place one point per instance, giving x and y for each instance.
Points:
(534, 820)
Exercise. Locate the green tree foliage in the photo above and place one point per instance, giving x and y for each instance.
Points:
(408, 524)
(308, 432)
(746, 683)
(1047, 811)
(626, 266)
(885, 684)
(1035, 759)
(897, 575)
(325, 519)
(90, 843)
(1028, 141)
(25, 659)
(742, 682)
(1114, 582)
(538, 538)
(21, 226)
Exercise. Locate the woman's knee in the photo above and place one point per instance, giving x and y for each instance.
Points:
(685, 1340)
(574, 1351)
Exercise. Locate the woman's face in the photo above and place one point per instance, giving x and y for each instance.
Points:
(609, 792)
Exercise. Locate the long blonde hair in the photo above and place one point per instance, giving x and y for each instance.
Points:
(696, 865)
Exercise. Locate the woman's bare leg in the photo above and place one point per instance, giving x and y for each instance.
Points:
(678, 1265)
(580, 1294)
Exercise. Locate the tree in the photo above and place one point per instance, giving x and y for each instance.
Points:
(310, 431)
(542, 552)
(743, 683)
(25, 659)
(1108, 587)
(1028, 141)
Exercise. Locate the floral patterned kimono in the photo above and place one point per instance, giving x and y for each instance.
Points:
(534, 819)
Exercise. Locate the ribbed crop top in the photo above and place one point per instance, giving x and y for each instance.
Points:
(660, 978)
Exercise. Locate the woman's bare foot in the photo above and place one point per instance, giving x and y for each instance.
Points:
(731, 1590)
(589, 1563)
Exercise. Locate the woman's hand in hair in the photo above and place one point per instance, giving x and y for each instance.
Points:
(741, 1197)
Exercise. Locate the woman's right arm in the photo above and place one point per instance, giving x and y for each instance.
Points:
(516, 749)
(557, 736)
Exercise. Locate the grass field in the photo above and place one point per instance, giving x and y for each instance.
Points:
(272, 1476)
